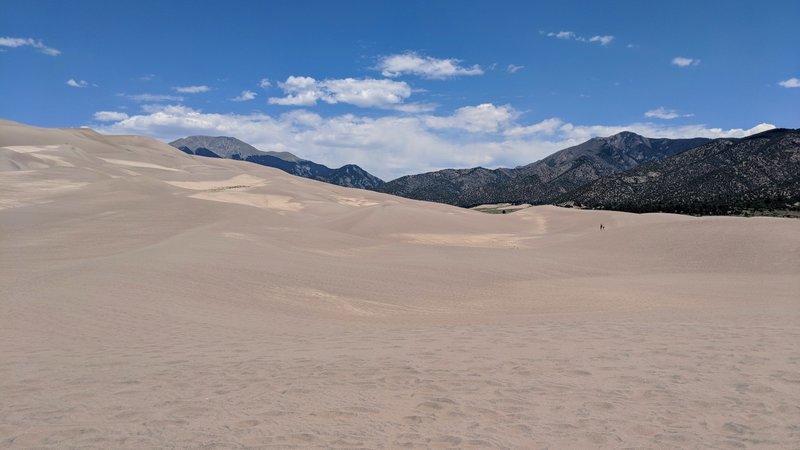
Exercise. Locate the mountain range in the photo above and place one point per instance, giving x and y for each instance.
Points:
(726, 176)
(625, 172)
(348, 175)
(542, 181)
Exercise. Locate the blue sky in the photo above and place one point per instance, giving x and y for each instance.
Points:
(403, 87)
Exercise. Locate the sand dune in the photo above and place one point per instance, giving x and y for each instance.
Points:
(150, 298)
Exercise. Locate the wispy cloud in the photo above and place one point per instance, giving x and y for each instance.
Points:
(603, 40)
(29, 42)
(545, 127)
(152, 97)
(368, 92)
(147, 77)
(191, 89)
(414, 108)
(244, 96)
(513, 68)
(790, 83)
(77, 83)
(412, 63)
(109, 116)
(680, 61)
(264, 83)
(664, 113)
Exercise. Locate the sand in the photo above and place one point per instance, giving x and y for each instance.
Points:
(150, 298)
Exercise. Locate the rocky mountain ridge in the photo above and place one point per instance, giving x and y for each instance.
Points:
(543, 181)
(759, 174)
(349, 175)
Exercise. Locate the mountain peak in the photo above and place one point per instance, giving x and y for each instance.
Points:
(626, 139)
(626, 133)
(621, 135)
(232, 148)
(226, 147)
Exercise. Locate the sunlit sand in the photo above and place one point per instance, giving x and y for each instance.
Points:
(149, 298)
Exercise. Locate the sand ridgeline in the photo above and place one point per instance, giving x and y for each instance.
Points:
(149, 298)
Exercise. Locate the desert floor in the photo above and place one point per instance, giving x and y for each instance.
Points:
(150, 298)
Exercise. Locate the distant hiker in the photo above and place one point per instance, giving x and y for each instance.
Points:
(602, 227)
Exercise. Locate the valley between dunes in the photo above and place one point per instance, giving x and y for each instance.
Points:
(150, 298)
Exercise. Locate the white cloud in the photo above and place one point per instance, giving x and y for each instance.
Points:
(513, 68)
(603, 40)
(484, 118)
(151, 108)
(424, 66)
(77, 83)
(191, 89)
(366, 93)
(396, 145)
(264, 83)
(790, 83)
(760, 128)
(680, 61)
(29, 42)
(581, 133)
(414, 107)
(546, 127)
(300, 91)
(563, 35)
(147, 77)
(244, 96)
(109, 116)
(664, 113)
(152, 97)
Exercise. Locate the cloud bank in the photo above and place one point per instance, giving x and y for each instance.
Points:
(482, 135)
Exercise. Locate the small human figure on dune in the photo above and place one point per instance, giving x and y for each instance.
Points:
(602, 227)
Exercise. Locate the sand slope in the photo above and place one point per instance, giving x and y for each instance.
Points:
(150, 298)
